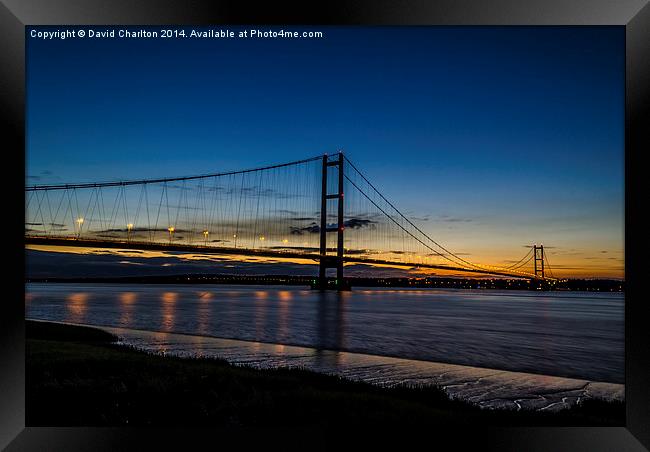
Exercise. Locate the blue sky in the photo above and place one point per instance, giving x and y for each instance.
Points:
(518, 130)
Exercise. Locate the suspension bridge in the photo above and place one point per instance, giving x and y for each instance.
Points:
(321, 208)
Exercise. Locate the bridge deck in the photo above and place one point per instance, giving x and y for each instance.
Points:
(202, 249)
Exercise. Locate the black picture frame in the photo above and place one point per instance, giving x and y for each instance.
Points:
(634, 15)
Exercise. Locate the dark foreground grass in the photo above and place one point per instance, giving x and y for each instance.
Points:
(76, 377)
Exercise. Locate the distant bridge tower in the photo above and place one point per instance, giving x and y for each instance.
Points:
(538, 256)
(331, 261)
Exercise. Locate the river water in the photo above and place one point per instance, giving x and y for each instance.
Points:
(567, 334)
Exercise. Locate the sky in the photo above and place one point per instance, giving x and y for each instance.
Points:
(495, 138)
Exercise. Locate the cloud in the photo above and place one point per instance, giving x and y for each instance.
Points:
(302, 248)
(255, 190)
(40, 176)
(139, 229)
(447, 219)
(314, 228)
(53, 264)
(356, 252)
(456, 220)
(358, 223)
(179, 187)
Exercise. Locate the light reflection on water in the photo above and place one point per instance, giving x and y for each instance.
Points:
(168, 310)
(484, 387)
(76, 307)
(127, 299)
(204, 313)
(568, 334)
(284, 313)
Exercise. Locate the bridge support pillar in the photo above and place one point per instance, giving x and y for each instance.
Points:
(326, 260)
(538, 256)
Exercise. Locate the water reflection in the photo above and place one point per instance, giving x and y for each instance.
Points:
(127, 301)
(259, 313)
(205, 295)
(168, 310)
(256, 347)
(568, 334)
(487, 387)
(284, 307)
(199, 346)
(76, 304)
(330, 327)
(545, 323)
(204, 312)
(285, 295)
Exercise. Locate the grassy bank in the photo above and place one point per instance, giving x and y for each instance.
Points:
(75, 376)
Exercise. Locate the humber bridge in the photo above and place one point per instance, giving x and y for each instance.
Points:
(320, 209)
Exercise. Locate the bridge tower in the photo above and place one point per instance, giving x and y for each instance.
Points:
(326, 260)
(538, 256)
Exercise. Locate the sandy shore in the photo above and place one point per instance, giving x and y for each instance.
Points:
(489, 388)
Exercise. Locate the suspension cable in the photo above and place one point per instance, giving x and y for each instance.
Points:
(548, 265)
(515, 265)
(153, 181)
(412, 224)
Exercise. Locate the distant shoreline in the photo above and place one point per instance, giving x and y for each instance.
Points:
(595, 285)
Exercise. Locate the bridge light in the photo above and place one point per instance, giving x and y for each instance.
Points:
(79, 222)
(262, 238)
(285, 241)
(206, 233)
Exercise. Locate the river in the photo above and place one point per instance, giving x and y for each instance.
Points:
(566, 334)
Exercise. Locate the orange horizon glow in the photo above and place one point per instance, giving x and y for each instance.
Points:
(572, 266)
